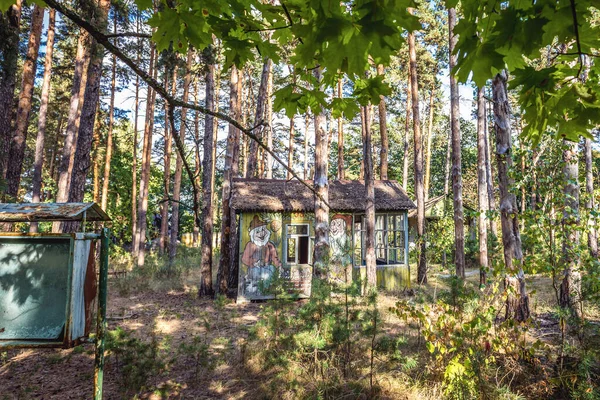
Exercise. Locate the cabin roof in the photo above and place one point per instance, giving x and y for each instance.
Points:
(27, 212)
(279, 195)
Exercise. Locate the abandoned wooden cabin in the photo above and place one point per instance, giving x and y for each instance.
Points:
(276, 234)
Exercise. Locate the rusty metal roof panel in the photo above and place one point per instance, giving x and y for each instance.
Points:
(27, 212)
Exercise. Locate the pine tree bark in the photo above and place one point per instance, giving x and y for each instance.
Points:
(306, 123)
(370, 260)
(43, 116)
(447, 171)
(268, 159)
(136, 111)
(77, 98)
(490, 181)
(482, 193)
(19, 139)
(517, 302)
(589, 188)
(291, 149)
(407, 127)
(428, 141)
(419, 188)
(260, 116)
(10, 22)
(383, 155)
(96, 158)
(82, 161)
(111, 123)
(340, 123)
(197, 159)
(459, 229)
(179, 162)
(570, 288)
(321, 185)
(230, 171)
(206, 286)
(145, 172)
(163, 240)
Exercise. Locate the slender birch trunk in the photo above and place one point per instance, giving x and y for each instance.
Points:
(407, 127)
(488, 171)
(589, 188)
(43, 115)
(340, 123)
(428, 141)
(383, 155)
(291, 149)
(18, 142)
(306, 122)
(517, 302)
(459, 228)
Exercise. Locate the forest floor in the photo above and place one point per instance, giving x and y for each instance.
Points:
(169, 313)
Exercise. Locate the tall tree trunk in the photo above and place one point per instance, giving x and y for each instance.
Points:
(43, 115)
(589, 188)
(371, 262)
(206, 287)
(306, 122)
(230, 171)
(488, 171)
(419, 189)
(96, 155)
(459, 229)
(163, 240)
(19, 139)
(111, 123)
(179, 162)
(340, 123)
(82, 162)
(428, 141)
(134, 243)
(145, 172)
(517, 306)
(261, 104)
(197, 159)
(10, 22)
(407, 127)
(268, 159)
(570, 288)
(77, 97)
(383, 155)
(291, 149)
(448, 172)
(482, 193)
(321, 185)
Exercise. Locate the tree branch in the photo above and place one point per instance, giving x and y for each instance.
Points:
(102, 39)
(129, 34)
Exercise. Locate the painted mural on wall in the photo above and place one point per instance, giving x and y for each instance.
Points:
(260, 257)
(340, 242)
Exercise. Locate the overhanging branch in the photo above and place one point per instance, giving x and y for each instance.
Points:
(103, 39)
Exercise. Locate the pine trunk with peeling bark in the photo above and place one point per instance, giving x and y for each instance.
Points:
(145, 172)
(43, 115)
(383, 155)
(96, 158)
(111, 123)
(459, 228)
(252, 170)
(10, 22)
(206, 286)
(482, 193)
(589, 188)
(134, 194)
(419, 187)
(197, 159)
(82, 161)
(406, 128)
(18, 142)
(163, 240)
(428, 141)
(517, 302)
(179, 162)
(321, 185)
(230, 171)
(570, 288)
(340, 123)
(267, 158)
(370, 260)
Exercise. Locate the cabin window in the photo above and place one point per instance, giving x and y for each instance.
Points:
(390, 239)
(297, 244)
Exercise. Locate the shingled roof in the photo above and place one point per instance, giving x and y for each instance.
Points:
(278, 195)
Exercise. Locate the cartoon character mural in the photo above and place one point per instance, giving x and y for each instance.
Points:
(340, 245)
(260, 257)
